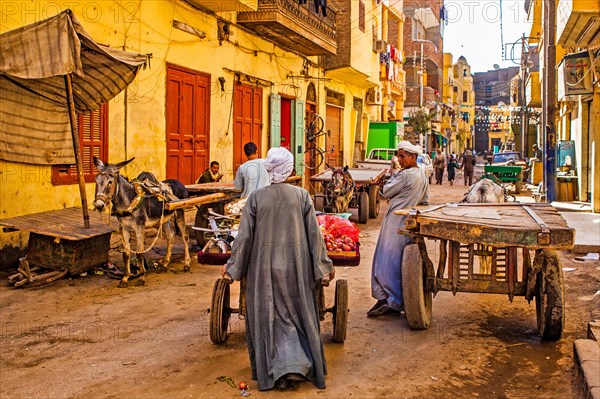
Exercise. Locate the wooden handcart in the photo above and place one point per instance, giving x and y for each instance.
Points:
(221, 310)
(366, 196)
(207, 196)
(487, 248)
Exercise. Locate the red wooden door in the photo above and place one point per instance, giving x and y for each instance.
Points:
(286, 123)
(188, 123)
(333, 125)
(247, 121)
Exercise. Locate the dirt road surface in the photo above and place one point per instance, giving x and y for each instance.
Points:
(85, 338)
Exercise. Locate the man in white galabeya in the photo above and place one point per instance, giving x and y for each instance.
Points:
(252, 174)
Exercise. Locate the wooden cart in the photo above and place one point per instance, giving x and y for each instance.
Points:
(210, 195)
(221, 310)
(496, 237)
(366, 196)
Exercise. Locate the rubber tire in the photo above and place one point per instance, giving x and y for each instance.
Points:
(201, 220)
(518, 187)
(363, 207)
(374, 202)
(319, 203)
(340, 311)
(550, 304)
(219, 311)
(417, 301)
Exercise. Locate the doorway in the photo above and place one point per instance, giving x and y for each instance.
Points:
(188, 123)
(247, 121)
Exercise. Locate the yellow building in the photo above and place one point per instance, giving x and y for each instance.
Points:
(498, 119)
(578, 106)
(465, 104)
(220, 74)
(458, 104)
(449, 126)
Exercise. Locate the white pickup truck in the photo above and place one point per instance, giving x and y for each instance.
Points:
(381, 158)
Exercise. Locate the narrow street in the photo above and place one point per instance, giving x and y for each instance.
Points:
(85, 338)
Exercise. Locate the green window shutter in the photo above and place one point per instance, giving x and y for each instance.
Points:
(275, 120)
(298, 140)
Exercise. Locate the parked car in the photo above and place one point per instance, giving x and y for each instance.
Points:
(511, 158)
(380, 158)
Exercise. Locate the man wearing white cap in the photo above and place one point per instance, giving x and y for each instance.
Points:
(280, 250)
(406, 188)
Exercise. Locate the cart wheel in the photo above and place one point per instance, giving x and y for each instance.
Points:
(201, 220)
(417, 301)
(363, 207)
(518, 185)
(374, 201)
(550, 298)
(219, 311)
(340, 311)
(319, 203)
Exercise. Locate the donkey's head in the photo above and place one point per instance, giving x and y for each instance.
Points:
(341, 181)
(107, 182)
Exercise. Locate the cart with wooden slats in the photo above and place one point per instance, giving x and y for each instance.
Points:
(366, 196)
(207, 196)
(487, 248)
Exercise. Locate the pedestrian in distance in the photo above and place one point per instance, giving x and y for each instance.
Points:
(280, 251)
(536, 152)
(407, 187)
(439, 164)
(211, 174)
(452, 166)
(252, 174)
(468, 166)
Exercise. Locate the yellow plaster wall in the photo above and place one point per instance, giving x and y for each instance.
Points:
(146, 27)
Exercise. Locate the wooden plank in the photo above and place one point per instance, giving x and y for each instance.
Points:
(227, 187)
(206, 188)
(200, 200)
(481, 286)
(514, 226)
(359, 175)
(443, 258)
(62, 223)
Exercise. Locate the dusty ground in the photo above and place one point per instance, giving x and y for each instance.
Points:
(85, 338)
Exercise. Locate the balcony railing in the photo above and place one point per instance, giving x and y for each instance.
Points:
(294, 26)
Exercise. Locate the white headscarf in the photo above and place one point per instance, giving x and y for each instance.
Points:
(279, 164)
(408, 147)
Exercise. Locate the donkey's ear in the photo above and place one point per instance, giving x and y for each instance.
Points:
(345, 168)
(122, 164)
(99, 164)
(327, 166)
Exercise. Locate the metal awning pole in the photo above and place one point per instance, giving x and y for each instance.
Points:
(77, 150)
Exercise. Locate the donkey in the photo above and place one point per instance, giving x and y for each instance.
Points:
(340, 189)
(146, 211)
(485, 191)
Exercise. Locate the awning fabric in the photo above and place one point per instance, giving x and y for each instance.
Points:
(34, 119)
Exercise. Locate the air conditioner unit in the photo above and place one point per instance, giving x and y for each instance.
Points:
(374, 97)
(379, 46)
